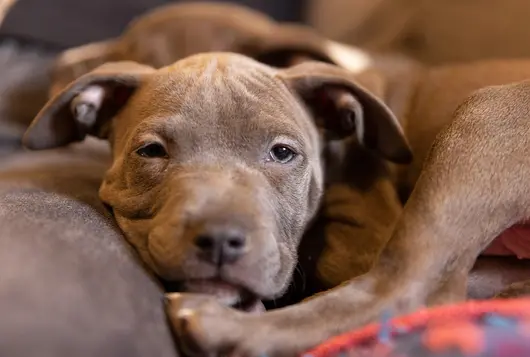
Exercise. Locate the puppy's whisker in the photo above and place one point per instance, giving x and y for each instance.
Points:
(302, 274)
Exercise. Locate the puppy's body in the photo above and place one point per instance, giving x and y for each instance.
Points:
(70, 285)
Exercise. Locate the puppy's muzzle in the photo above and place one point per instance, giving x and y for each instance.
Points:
(215, 234)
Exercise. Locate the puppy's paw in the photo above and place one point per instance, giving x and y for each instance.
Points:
(204, 327)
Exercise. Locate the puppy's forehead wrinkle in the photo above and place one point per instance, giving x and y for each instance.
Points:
(230, 88)
(274, 99)
(209, 87)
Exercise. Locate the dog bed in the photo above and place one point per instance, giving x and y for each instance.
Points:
(491, 328)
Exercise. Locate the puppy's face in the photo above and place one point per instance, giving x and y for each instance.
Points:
(216, 161)
(216, 173)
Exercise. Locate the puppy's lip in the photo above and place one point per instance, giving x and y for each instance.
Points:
(227, 293)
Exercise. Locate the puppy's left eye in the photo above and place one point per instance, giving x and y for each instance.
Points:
(282, 154)
(152, 150)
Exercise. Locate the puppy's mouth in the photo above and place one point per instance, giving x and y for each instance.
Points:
(227, 293)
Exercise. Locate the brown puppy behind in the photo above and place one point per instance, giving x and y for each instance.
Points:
(164, 35)
(169, 33)
(471, 190)
(217, 168)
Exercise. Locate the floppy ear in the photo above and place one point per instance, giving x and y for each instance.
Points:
(86, 106)
(342, 108)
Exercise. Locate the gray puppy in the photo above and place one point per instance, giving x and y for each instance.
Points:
(353, 233)
(217, 167)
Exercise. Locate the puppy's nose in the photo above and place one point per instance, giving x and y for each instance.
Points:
(221, 246)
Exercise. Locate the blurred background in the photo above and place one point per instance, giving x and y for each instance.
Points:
(433, 31)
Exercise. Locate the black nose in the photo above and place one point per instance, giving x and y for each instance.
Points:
(221, 246)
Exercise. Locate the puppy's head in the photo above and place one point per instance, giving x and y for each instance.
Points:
(217, 160)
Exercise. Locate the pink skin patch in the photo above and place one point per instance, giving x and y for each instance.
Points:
(515, 241)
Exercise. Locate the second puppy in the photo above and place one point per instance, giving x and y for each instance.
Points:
(172, 32)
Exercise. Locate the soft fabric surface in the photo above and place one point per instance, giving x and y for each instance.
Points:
(493, 328)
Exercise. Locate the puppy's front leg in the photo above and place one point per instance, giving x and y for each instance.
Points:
(474, 186)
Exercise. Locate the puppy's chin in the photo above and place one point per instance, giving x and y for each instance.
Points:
(226, 293)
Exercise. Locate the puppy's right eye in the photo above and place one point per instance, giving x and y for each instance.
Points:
(152, 150)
